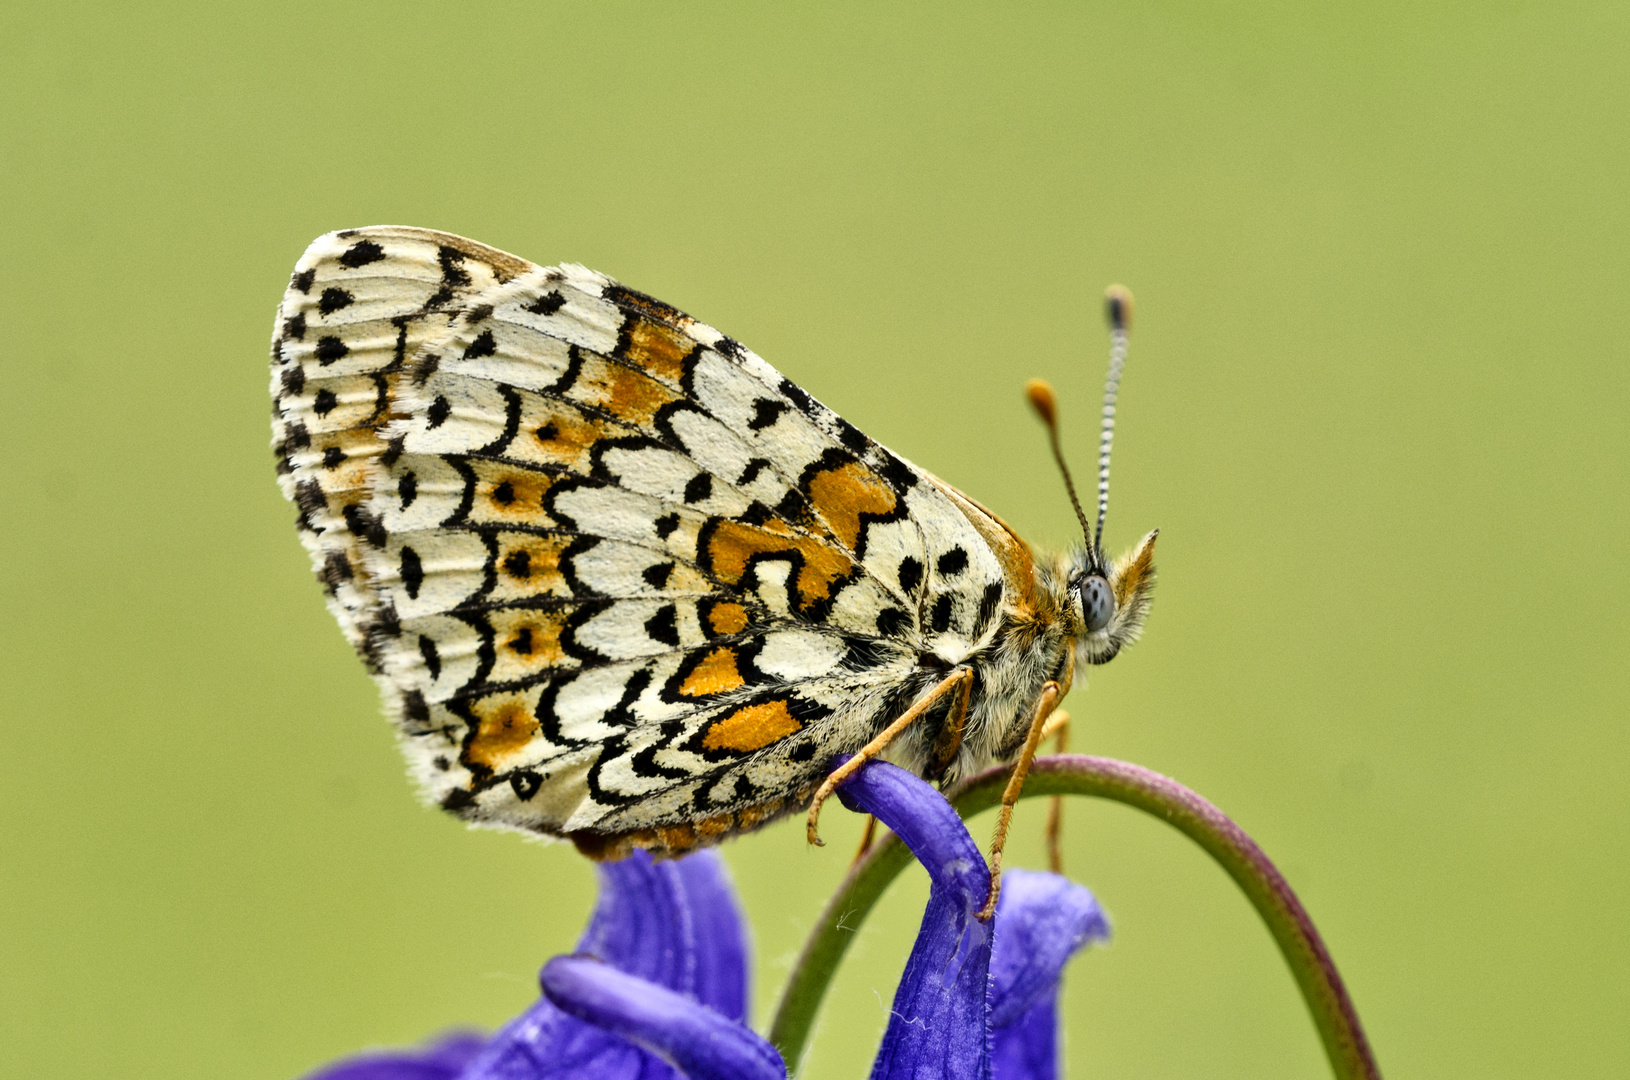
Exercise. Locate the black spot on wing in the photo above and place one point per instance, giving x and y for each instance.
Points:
(750, 473)
(664, 626)
(765, 413)
(699, 487)
(325, 402)
(911, 574)
(303, 280)
(892, 622)
(897, 472)
(414, 707)
(953, 562)
(333, 457)
(851, 436)
(334, 299)
(294, 380)
(547, 304)
(452, 267)
(657, 576)
(361, 253)
(295, 326)
(310, 501)
(336, 568)
(479, 313)
(458, 801)
(940, 618)
(364, 525)
(412, 572)
(988, 605)
(483, 345)
(431, 656)
(438, 412)
(407, 489)
(525, 784)
(330, 349)
(666, 524)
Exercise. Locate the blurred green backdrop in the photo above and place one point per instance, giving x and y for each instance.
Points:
(1377, 403)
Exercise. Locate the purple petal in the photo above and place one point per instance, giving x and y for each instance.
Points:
(722, 947)
(919, 815)
(1041, 920)
(937, 1027)
(674, 924)
(1028, 1049)
(443, 1059)
(704, 1044)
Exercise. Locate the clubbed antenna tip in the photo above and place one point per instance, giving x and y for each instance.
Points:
(1040, 393)
(1118, 307)
(1042, 400)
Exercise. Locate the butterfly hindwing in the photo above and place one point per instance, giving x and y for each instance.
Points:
(617, 574)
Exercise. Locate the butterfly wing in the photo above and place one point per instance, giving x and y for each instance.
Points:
(617, 576)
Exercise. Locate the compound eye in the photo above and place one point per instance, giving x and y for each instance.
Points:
(1097, 603)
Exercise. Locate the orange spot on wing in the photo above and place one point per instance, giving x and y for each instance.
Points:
(530, 565)
(503, 726)
(842, 494)
(656, 349)
(751, 727)
(727, 618)
(527, 641)
(509, 493)
(564, 435)
(734, 543)
(714, 675)
(631, 396)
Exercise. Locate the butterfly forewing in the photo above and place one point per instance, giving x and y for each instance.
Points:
(617, 575)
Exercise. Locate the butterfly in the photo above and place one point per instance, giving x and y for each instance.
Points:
(622, 582)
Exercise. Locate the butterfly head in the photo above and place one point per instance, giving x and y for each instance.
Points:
(1105, 604)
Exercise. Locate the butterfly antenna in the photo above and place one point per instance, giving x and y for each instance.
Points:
(1042, 400)
(1118, 308)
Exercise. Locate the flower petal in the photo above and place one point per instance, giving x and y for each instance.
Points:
(1041, 920)
(919, 815)
(443, 1059)
(702, 1043)
(937, 1027)
(722, 946)
(674, 924)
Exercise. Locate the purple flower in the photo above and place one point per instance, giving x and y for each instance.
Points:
(658, 986)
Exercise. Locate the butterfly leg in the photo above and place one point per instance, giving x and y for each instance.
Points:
(960, 681)
(1059, 724)
(1050, 693)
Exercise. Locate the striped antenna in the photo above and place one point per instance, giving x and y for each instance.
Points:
(1118, 308)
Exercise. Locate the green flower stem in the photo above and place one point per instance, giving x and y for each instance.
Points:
(1104, 778)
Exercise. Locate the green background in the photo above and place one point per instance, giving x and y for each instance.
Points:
(1377, 403)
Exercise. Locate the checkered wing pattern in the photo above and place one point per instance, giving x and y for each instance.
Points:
(619, 579)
